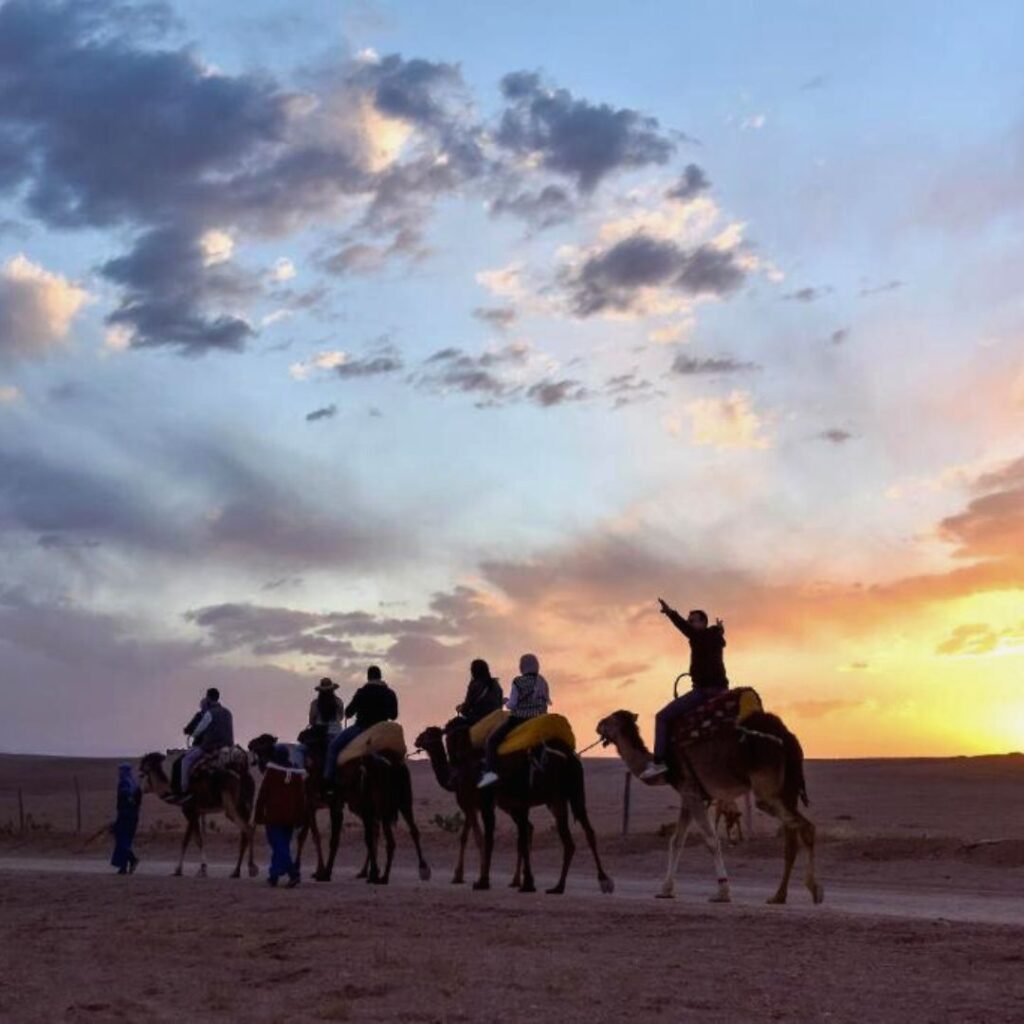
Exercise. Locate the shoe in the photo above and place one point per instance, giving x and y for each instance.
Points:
(272, 882)
(132, 865)
(653, 771)
(293, 881)
(487, 779)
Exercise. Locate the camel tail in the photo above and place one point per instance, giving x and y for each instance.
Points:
(795, 785)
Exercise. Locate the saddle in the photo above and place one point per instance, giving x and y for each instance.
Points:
(385, 737)
(479, 732)
(229, 759)
(536, 731)
(721, 713)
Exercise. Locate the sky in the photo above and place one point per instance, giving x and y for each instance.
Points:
(347, 333)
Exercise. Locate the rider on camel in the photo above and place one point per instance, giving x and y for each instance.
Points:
(707, 676)
(326, 710)
(483, 694)
(528, 698)
(374, 702)
(211, 729)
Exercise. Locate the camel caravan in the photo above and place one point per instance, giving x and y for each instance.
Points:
(712, 745)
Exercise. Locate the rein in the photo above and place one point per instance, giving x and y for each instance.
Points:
(580, 753)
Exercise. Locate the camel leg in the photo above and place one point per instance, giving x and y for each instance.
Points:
(460, 865)
(792, 845)
(312, 827)
(190, 824)
(807, 832)
(202, 872)
(579, 808)
(702, 820)
(675, 846)
(337, 812)
(522, 820)
(487, 813)
(560, 810)
(371, 869)
(405, 809)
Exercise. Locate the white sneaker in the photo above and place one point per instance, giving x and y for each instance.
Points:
(653, 771)
(487, 779)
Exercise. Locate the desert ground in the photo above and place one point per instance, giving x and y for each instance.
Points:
(923, 862)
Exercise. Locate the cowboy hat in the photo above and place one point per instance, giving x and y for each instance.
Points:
(325, 685)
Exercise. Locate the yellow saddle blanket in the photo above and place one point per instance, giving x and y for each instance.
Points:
(535, 731)
(384, 737)
(479, 732)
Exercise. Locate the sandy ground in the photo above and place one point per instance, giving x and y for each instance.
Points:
(923, 862)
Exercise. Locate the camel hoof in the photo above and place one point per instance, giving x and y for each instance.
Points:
(458, 881)
(555, 890)
(527, 887)
(481, 885)
(664, 895)
(514, 884)
(777, 900)
(607, 884)
(425, 873)
(720, 897)
(201, 873)
(176, 873)
(321, 876)
(253, 871)
(818, 893)
(235, 874)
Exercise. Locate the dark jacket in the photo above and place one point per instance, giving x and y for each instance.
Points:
(221, 730)
(707, 658)
(373, 703)
(282, 798)
(482, 697)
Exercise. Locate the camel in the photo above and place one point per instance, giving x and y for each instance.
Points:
(377, 788)
(228, 791)
(761, 756)
(460, 776)
(549, 774)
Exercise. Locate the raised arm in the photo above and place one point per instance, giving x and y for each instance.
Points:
(676, 619)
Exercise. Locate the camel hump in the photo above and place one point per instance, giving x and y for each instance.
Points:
(382, 738)
(479, 731)
(534, 731)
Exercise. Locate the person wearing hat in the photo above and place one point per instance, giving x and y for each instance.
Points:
(707, 676)
(326, 710)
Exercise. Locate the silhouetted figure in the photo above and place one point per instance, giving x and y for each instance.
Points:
(129, 801)
(212, 729)
(707, 678)
(528, 698)
(372, 703)
(483, 694)
(281, 807)
(327, 709)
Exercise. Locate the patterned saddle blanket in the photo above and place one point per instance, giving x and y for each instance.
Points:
(233, 759)
(722, 712)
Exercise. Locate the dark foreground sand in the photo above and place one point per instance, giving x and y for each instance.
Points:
(924, 919)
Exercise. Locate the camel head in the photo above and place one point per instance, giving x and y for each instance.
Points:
(620, 729)
(432, 736)
(260, 748)
(151, 771)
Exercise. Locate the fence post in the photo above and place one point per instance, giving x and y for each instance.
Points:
(78, 807)
(21, 810)
(625, 803)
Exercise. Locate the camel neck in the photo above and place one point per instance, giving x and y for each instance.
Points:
(635, 755)
(439, 762)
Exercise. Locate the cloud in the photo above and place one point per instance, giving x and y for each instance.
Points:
(168, 278)
(726, 423)
(972, 639)
(615, 279)
(325, 413)
(386, 359)
(689, 366)
(545, 208)
(835, 435)
(547, 393)
(9, 394)
(755, 122)
(992, 525)
(807, 294)
(692, 183)
(573, 137)
(501, 317)
(37, 308)
(878, 289)
(815, 82)
(838, 337)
